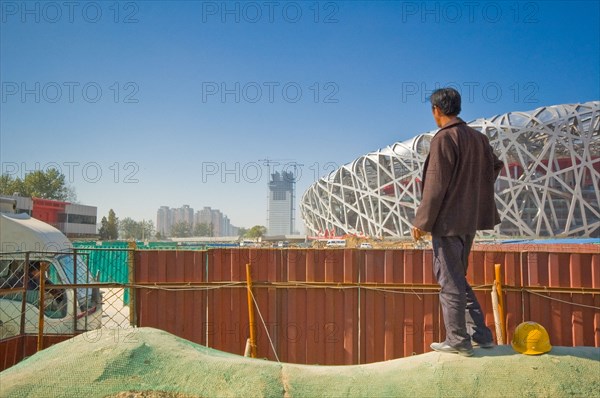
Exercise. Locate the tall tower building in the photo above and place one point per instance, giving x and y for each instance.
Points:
(281, 204)
(217, 222)
(164, 220)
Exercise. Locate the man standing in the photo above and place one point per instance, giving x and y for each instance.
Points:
(458, 199)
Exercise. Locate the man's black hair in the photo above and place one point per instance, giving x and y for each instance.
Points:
(446, 100)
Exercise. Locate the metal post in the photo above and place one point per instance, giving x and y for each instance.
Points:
(75, 298)
(24, 301)
(132, 293)
(498, 283)
(251, 311)
(88, 291)
(40, 337)
(206, 298)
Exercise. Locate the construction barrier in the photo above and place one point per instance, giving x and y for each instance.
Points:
(348, 306)
(326, 306)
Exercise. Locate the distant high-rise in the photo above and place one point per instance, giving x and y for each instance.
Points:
(218, 223)
(166, 217)
(164, 221)
(281, 204)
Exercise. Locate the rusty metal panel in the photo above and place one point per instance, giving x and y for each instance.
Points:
(512, 269)
(418, 322)
(390, 316)
(15, 349)
(597, 321)
(330, 319)
(315, 300)
(350, 308)
(372, 271)
(11, 351)
(295, 318)
(430, 300)
(146, 299)
(595, 271)
(268, 270)
(225, 332)
(178, 312)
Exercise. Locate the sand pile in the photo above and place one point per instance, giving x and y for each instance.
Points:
(151, 363)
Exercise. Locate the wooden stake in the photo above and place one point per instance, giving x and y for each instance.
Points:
(498, 283)
(251, 311)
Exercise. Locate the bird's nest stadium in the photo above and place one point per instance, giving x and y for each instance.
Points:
(549, 187)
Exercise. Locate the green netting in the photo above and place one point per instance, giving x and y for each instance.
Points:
(147, 362)
(156, 245)
(107, 261)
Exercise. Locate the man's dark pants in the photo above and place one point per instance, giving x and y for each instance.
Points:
(461, 310)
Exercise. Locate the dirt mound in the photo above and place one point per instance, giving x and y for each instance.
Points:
(153, 363)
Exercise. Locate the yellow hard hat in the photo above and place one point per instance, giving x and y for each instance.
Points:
(531, 338)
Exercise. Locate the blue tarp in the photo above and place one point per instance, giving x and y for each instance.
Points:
(560, 241)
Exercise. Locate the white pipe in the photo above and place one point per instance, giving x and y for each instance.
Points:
(497, 323)
(247, 349)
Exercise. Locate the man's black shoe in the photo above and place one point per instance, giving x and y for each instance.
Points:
(489, 344)
(444, 347)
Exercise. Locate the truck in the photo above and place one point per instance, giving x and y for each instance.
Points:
(336, 243)
(26, 242)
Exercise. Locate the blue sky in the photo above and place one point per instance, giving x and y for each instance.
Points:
(149, 103)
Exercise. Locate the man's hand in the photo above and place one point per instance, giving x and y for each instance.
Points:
(417, 233)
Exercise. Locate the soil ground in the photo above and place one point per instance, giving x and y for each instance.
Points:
(152, 363)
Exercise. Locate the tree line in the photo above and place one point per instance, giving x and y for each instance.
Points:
(51, 184)
(111, 228)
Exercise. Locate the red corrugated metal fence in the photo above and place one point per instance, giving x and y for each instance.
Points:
(348, 306)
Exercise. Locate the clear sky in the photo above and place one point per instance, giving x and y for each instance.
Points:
(148, 103)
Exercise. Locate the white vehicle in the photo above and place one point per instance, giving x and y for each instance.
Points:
(249, 243)
(283, 243)
(336, 243)
(25, 242)
(365, 245)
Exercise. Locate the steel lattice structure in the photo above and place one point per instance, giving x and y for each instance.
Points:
(549, 185)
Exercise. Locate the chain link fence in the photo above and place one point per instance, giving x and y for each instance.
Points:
(110, 263)
(64, 293)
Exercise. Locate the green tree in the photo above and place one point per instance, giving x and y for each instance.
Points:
(203, 229)
(48, 184)
(128, 228)
(109, 228)
(138, 230)
(147, 229)
(256, 231)
(113, 225)
(103, 231)
(242, 231)
(10, 186)
(181, 229)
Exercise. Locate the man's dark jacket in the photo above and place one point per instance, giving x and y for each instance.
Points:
(458, 183)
